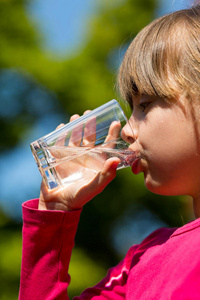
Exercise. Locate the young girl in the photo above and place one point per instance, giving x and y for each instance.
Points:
(160, 79)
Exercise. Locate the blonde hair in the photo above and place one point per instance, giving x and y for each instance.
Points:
(164, 58)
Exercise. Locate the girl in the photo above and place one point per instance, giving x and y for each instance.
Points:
(160, 79)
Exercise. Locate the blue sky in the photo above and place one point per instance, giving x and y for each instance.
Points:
(63, 22)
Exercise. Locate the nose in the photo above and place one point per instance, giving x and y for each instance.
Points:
(129, 134)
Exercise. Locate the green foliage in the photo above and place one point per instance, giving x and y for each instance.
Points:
(10, 262)
(84, 272)
(90, 77)
(82, 81)
(17, 35)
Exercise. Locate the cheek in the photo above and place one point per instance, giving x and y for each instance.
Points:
(169, 142)
(167, 138)
(154, 136)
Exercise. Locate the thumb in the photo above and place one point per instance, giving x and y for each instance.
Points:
(98, 184)
(108, 172)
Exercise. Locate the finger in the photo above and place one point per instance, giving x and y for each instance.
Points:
(86, 112)
(114, 131)
(108, 172)
(77, 132)
(113, 134)
(59, 126)
(90, 133)
(76, 136)
(99, 182)
(86, 139)
(61, 140)
(74, 117)
(110, 166)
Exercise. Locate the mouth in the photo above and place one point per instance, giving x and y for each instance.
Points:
(134, 165)
(135, 159)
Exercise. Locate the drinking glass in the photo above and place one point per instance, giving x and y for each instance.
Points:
(78, 150)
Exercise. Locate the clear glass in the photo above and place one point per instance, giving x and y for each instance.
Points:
(78, 150)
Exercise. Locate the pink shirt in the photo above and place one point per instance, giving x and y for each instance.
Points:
(166, 265)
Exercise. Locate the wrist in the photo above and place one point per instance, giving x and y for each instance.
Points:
(42, 205)
(50, 200)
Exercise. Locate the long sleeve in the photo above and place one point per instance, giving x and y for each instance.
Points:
(48, 239)
(160, 267)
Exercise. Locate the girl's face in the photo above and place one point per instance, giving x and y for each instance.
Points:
(166, 139)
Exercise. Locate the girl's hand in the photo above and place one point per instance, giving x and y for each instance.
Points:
(74, 195)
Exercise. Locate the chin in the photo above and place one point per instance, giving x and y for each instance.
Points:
(157, 188)
(161, 189)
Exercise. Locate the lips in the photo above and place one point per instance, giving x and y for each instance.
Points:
(134, 160)
(130, 158)
(134, 166)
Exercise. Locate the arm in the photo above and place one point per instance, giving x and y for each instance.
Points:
(49, 229)
(48, 239)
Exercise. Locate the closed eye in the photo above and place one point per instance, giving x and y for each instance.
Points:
(143, 105)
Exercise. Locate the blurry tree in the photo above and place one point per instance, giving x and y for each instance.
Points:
(10, 257)
(33, 83)
(23, 98)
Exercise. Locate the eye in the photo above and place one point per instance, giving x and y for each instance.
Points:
(143, 105)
